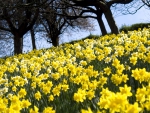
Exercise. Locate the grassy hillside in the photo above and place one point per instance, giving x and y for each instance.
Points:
(97, 75)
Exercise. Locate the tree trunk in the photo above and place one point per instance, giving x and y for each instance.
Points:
(55, 41)
(18, 44)
(99, 14)
(101, 24)
(111, 22)
(33, 39)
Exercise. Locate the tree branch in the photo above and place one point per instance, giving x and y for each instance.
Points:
(75, 17)
(146, 2)
(4, 29)
(32, 22)
(119, 2)
(7, 18)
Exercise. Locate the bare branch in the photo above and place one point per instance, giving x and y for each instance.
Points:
(119, 2)
(4, 29)
(146, 2)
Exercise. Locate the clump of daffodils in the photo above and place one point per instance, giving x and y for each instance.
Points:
(109, 74)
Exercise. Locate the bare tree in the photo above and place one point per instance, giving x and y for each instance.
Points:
(87, 12)
(18, 17)
(99, 7)
(55, 23)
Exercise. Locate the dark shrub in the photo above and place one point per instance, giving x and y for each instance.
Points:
(126, 28)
